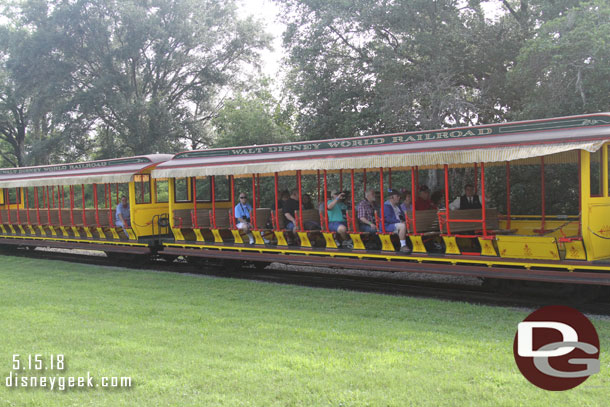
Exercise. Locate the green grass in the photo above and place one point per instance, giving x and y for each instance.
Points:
(191, 340)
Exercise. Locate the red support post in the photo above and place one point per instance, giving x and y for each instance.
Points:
(82, 188)
(446, 168)
(483, 204)
(48, 203)
(318, 180)
(195, 223)
(36, 204)
(110, 217)
(325, 202)
(213, 182)
(71, 205)
(27, 205)
(382, 203)
(354, 204)
(414, 191)
(232, 214)
(8, 207)
(476, 175)
(253, 214)
(61, 203)
(276, 197)
(258, 190)
(18, 201)
(508, 212)
(96, 205)
(542, 195)
(299, 187)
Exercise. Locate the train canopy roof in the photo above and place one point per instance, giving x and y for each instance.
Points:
(93, 172)
(491, 143)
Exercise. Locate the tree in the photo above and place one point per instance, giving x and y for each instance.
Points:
(144, 73)
(564, 69)
(252, 118)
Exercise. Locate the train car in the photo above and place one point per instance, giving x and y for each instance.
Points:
(494, 240)
(73, 205)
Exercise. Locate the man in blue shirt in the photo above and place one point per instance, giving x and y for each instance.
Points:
(123, 214)
(242, 216)
(394, 219)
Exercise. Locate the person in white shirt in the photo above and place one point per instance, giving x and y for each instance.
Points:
(467, 201)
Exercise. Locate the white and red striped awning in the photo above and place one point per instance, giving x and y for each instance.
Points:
(493, 143)
(113, 171)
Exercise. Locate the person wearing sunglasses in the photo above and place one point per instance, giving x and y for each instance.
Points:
(242, 216)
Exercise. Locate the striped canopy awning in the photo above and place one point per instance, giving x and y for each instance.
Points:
(92, 172)
(488, 144)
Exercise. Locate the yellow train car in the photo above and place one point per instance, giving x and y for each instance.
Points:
(74, 205)
(485, 241)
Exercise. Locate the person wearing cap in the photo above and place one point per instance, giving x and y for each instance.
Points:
(393, 218)
(423, 201)
(336, 209)
(242, 216)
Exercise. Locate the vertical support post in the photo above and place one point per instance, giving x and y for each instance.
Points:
(381, 204)
(18, 201)
(275, 198)
(213, 182)
(326, 202)
(258, 190)
(446, 170)
(82, 186)
(543, 197)
(49, 203)
(318, 181)
(232, 214)
(476, 175)
(96, 206)
(72, 205)
(27, 205)
(354, 204)
(508, 212)
(110, 217)
(483, 205)
(389, 178)
(414, 190)
(253, 214)
(8, 207)
(194, 182)
(36, 204)
(299, 186)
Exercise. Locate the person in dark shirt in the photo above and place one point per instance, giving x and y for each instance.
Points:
(423, 201)
(289, 207)
(467, 201)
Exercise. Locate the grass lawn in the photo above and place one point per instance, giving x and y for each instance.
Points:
(190, 340)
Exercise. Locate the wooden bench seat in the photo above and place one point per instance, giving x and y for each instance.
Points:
(491, 221)
(203, 218)
(426, 222)
(223, 220)
(311, 219)
(263, 215)
(183, 219)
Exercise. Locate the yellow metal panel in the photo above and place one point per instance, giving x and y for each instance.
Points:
(418, 244)
(236, 236)
(218, 238)
(330, 240)
(528, 247)
(451, 246)
(357, 240)
(304, 239)
(386, 242)
(258, 238)
(487, 247)
(281, 239)
(575, 250)
(597, 231)
(177, 234)
(198, 235)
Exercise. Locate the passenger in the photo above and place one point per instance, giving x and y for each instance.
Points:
(336, 217)
(467, 201)
(123, 214)
(423, 201)
(307, 203)
(394, 219)
(284, 196)
(366, 213)
(242, 216)
(437, 199)
(289, 206)
(407, 202)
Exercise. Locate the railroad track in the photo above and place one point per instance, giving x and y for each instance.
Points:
(382, 282)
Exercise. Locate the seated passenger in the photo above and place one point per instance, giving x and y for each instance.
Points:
(123, 214)
(467, 201)
(366, 213)
(423, 201)
(437, 200)
(394, 219)
(307, 204)
(336, 217)
(289, 206)
(242, 216)
(407, 202)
